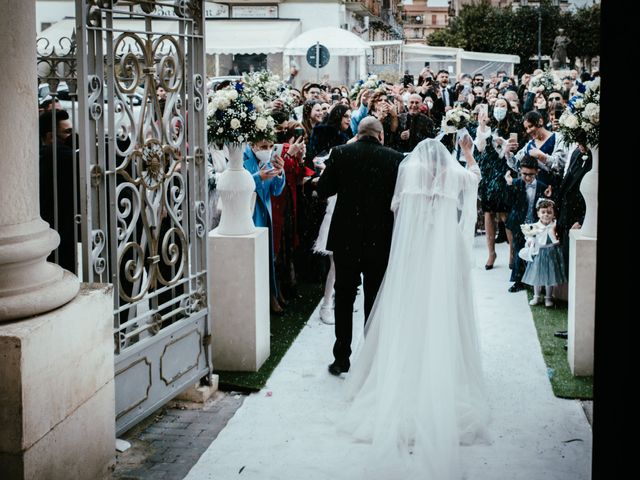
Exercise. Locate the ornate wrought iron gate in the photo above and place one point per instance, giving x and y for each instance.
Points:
(142, 190)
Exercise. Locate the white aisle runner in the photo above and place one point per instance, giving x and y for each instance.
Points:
(287, 430)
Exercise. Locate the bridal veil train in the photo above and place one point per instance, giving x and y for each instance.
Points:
(416, 383)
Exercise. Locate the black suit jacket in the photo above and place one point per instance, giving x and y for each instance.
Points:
(520, 204)
(439, 104)
(569, 201)
(363, 174)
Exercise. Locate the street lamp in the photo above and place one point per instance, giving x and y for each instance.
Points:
(555, 3)
(539, 37)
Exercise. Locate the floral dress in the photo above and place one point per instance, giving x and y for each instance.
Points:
(492, 190)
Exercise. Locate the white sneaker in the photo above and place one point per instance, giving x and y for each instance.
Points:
(326, 315)
(548, 302)
(536, 300)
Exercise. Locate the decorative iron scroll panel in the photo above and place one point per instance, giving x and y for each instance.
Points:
(143, 191)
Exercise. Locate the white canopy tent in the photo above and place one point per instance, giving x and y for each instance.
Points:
(340, 43)
(233, 37)
(455, 60)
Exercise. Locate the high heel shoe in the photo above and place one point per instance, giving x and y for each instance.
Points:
(490, 266)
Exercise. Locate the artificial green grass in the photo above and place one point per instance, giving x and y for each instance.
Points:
(284, 330)
(547, 322)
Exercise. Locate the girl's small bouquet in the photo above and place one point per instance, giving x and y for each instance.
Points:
(545, 82)
(236, 115)
(580, 122)
(531, 229)
(530, 249)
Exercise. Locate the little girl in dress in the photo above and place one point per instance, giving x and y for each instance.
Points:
(545, 263)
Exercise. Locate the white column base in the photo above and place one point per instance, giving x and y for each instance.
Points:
(29, 285)
(57, 391)
(582, 303)
(239, 300)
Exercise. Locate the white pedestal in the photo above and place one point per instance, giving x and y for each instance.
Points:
(582, 303)
(57, 403)
(239, 299)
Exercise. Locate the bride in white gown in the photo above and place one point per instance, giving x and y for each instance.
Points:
(416, 384)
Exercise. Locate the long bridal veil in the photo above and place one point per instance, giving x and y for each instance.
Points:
(416, 381)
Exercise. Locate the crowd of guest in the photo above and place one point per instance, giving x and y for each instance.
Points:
(517, 145)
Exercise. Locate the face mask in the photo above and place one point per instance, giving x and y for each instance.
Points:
(499, 113)
(263, 156)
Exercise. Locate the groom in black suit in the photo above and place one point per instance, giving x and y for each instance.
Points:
(363, 174)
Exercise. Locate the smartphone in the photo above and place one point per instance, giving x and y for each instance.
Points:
(277, 150)
(513, 137)
(298, 131)
(335, 97)
(557, 113)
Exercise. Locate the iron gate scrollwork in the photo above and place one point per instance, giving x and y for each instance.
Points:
(142, 134)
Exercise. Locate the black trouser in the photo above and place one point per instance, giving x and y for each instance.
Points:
(519, 264)
(349, 267)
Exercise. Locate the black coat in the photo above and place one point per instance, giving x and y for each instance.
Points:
(363, 174)
(569, 201)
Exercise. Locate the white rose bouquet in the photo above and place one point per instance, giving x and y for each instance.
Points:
(455, 119)
(580, 122)
(236, 115)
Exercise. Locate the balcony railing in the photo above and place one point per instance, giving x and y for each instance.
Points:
(364, 7)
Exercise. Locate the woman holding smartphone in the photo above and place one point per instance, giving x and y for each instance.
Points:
(499, 130)
(291, 138)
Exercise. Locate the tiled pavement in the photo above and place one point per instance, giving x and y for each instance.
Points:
(167, 444)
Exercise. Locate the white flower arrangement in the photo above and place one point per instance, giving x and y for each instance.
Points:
(371, 82)
(580, 122)
(236, 116)
(455, 119)
(263, 84)
(545, 82)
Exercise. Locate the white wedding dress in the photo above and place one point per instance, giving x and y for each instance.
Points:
(416, 383)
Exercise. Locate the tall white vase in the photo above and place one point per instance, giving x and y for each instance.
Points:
(236, 187)
(589, 190)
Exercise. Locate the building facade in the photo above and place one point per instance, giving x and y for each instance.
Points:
(423, 17)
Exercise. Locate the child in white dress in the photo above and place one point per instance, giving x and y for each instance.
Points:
(545, 263)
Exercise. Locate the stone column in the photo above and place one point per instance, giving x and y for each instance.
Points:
(28, 284)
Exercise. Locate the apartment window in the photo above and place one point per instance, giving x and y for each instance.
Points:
(434, 19)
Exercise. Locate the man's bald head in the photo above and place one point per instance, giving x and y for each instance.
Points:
(370, 126)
